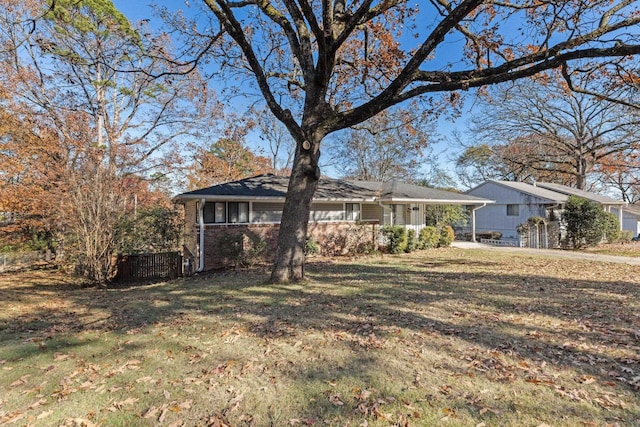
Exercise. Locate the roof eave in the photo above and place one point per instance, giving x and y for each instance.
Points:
(435, 201)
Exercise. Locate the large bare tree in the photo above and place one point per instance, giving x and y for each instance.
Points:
(391, 145)
(546, 131)
(328, 65)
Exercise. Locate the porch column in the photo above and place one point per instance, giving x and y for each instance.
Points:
(473, 224)
(620, 217)
(473, 221)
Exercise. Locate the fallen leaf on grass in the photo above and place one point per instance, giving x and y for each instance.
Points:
(59, 357)
(44, 415)
(40, 402)
(587, 379)
(77, 422)
(151, 412)
(335, 399)
(485, 410)
(12, 417)
(20, 381)
(449, 412)
(382, 415)
(362, 394)
(216, 421)
(119, 405)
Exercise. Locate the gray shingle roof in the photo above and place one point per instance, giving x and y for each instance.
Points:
(275, 187)
(272, 186)
(523, 187)
(633, 209)
(400, 191)
(580, 193)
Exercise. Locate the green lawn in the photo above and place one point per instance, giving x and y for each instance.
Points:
(440, 337)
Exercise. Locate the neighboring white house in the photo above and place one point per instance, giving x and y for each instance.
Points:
(516, 202)
(252, 207)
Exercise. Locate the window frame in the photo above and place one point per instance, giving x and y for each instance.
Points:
(349, 211)
(219, 213)
(511, 208)
(239, 212)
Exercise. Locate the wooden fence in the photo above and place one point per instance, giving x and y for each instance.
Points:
(166, 265)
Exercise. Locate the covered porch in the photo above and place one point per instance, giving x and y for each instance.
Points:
(416, 216)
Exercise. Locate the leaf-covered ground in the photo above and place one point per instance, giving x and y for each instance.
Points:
(629, 249)
(444, 337)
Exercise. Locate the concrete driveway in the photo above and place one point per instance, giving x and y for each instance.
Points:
(556, 253)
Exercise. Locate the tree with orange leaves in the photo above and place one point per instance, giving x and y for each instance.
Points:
(77, 75)
(225, 160)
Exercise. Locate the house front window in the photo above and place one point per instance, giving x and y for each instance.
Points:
(223, 212)
(352, 211)
(238, 212)
(513, 210)
(209, 213)
(220, 212)
(394, 215)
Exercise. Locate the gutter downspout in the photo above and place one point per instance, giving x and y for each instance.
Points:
(473, 221)
(201, 244)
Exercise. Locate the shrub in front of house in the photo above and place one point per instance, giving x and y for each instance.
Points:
(586, 222)
(311, 247)
(412, 242)
(626, 236)
(358, 239)
(240, 250)
(446, 236)
(229, 249)
(612, 230)
(396, 238)
(428, 237)
(354, 239)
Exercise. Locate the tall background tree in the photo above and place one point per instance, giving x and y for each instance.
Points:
(324, 66)
(542, 130)
(391, 145)
(621, 172)
(281, 145)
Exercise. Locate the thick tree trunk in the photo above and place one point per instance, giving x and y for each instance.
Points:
(581, 173)
(290, 258)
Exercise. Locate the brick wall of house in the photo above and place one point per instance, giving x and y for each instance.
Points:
(331, 236)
